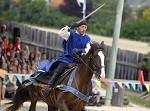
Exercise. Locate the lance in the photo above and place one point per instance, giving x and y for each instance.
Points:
(90, 13)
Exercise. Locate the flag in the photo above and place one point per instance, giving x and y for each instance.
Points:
(80, 1)
(84, 5)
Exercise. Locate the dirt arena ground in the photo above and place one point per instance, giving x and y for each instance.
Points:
(43, 107)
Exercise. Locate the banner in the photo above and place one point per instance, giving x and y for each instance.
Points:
(84, 5)
(11, 76)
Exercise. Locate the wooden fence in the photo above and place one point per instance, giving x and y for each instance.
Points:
(127, 61)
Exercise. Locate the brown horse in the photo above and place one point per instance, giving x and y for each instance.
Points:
(71, 94)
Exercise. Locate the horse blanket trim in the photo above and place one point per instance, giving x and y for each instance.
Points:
(32, 80)
(68, 88)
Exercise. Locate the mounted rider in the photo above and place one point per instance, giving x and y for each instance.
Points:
(74, 41)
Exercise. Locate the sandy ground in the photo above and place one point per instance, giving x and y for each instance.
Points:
(43, 107)
(137, 46)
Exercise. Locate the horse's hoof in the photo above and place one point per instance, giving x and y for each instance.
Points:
(45, 92)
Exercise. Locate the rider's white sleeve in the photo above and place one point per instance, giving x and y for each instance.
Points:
(64, 32)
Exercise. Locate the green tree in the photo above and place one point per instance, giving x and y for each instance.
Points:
(32, 11)
(136, 29)
(146, 14)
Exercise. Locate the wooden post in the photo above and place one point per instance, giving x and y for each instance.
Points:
(114, 49)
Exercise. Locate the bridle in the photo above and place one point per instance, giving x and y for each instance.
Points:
(83, 62)
(92, 57)
(93, 69)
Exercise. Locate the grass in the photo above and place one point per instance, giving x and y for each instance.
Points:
(138, 100)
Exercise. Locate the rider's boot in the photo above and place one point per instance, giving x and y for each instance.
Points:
(45, 91)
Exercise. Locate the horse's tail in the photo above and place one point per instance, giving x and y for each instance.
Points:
(21, 96)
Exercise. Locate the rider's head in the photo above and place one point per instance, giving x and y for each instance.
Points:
(82, 27)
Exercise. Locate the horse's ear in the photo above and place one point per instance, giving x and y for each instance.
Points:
(102, 43)
(91, 43)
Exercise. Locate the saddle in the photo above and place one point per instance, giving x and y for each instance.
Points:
(43, 77)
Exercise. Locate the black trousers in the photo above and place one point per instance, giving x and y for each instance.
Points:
(61, 66)
(57, 72)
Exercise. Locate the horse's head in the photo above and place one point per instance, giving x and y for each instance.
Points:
(97, 58)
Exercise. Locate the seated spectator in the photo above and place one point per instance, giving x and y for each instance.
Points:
(15, 66)
(22, 60)
(31, 58)
(32, 69)
(96, 92)
(8, 50)
(24, 70)
(5, 42)
(2, 59)
(43, 62)
(3, 31)
(17, 46)
(27, 51)
(8, 85)
(37, 52)
(3, 51)
(12, 56)
(36, 61)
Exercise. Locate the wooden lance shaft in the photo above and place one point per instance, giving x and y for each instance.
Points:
(90, 14)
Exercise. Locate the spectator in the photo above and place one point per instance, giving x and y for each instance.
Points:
(17, 46)
(36, 61)
(22, 60)
(27, 51)
(32, 69)
(37, 52)
(12, 56)
(8, 50)
(3, 52)
(31, 58)
(15, 66)
(24, 70)
(5, 42)
(4, 31)
(3, 67)
(8, 85)
(43, 61)
(2, 59)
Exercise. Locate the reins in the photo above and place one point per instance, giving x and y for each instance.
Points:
(83, 62)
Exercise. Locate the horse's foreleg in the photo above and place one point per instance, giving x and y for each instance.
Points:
(33, 104)
(34, 98)
(64, 107)
(52, 108)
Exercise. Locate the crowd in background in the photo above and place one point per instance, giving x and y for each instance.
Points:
(17, 59)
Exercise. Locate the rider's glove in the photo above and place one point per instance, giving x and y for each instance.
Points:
(72, 25)
(78, 51)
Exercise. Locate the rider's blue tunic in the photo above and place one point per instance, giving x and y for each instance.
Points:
(74, 41)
